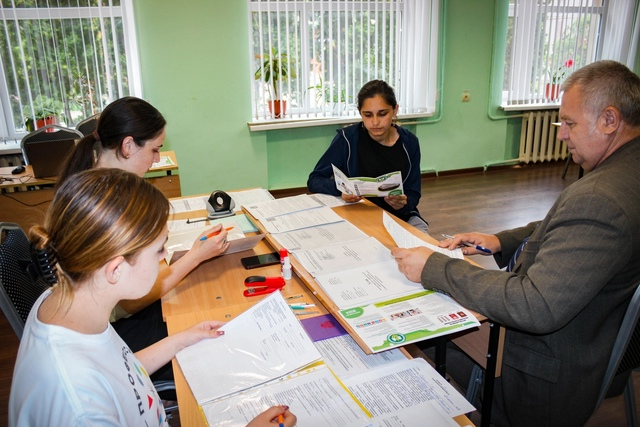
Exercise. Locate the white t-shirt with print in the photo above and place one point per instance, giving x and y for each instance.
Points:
(66, 378)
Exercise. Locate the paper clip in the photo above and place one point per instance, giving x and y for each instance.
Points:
(261, 285)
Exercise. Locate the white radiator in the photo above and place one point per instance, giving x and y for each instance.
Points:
(538, 141)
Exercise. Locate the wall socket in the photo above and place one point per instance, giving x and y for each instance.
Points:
(465, 96)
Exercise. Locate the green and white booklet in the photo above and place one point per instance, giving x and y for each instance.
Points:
(389, 184)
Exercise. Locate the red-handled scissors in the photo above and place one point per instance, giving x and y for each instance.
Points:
(261, 285)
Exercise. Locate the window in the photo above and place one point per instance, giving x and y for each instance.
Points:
(317, 54)
(63, 59)
(547, 40)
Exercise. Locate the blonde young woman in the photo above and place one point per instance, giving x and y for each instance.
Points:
(107, 229)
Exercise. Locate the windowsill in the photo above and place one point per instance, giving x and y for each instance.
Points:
(303, 123)
(531, 107)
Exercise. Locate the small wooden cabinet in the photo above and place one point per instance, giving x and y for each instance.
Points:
(162, 176)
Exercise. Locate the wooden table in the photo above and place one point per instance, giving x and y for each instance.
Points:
(214, 291)
(162, 177)
(23, 179)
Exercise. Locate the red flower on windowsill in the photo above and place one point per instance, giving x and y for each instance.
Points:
(558, 76)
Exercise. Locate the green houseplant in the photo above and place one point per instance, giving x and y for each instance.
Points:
(324, 95)
(45, 112)
(275, 67)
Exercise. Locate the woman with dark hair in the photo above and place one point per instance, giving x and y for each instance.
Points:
(107, 229)
(128, 136)
(372, 148)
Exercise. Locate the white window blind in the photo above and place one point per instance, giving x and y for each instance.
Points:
(66, 58)
(549, 40)
(324, 51)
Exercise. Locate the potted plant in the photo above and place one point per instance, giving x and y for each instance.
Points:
(275, 67)
(45, 112)
(552, 90)
(324, 95)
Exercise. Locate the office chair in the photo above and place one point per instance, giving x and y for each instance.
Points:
(21, 284)
(25, 273)
(88, 125)
(48, 133)
(625, 357)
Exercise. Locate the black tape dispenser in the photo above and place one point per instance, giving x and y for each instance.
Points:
(220, 205)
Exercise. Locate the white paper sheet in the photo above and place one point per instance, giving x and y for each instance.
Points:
(330, 201)
(315, 397)
(368, 284)
(343, 256)
(321, 235)
(242, 220)
(247, 197)
(285, 205)
(406, 387)
(188, 204)
(404, 239)
(301, 219)
(345, 357)
(180, 242)
(263, 343)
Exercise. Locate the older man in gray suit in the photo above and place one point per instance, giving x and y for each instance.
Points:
(564, 301)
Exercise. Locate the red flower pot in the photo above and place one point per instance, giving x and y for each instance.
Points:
(552, 91)
(50, 120)
(278, 108)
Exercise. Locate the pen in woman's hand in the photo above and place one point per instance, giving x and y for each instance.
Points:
(215, 233)
(470, 245)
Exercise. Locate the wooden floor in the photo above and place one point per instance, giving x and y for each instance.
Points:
(487, 202)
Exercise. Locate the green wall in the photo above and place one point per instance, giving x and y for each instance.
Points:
(195, 69)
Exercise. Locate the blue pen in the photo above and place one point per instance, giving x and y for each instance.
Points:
(470, 245)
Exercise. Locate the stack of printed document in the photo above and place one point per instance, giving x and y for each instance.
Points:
(362, 279)
(265, 358)
(396, 390)
(292, 213)
(360, 276)
(381, 305)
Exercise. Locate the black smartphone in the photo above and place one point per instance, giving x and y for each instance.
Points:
(260, 260)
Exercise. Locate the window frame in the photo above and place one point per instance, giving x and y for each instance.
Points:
(619, 27)
(125, 11)
(260, 121)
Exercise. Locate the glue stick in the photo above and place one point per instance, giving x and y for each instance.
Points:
(283, 254)
(285, 264)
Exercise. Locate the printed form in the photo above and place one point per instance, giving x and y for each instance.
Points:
(278, 345)
(299, 220)
(317, 237)
(287, 205)
(264, 359)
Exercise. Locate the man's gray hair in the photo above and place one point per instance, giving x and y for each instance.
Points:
(605, 83)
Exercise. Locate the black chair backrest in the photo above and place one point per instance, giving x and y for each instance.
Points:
(21, 278)
(625, 355)
(631, 358)
(48, 133)
(88, 125)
